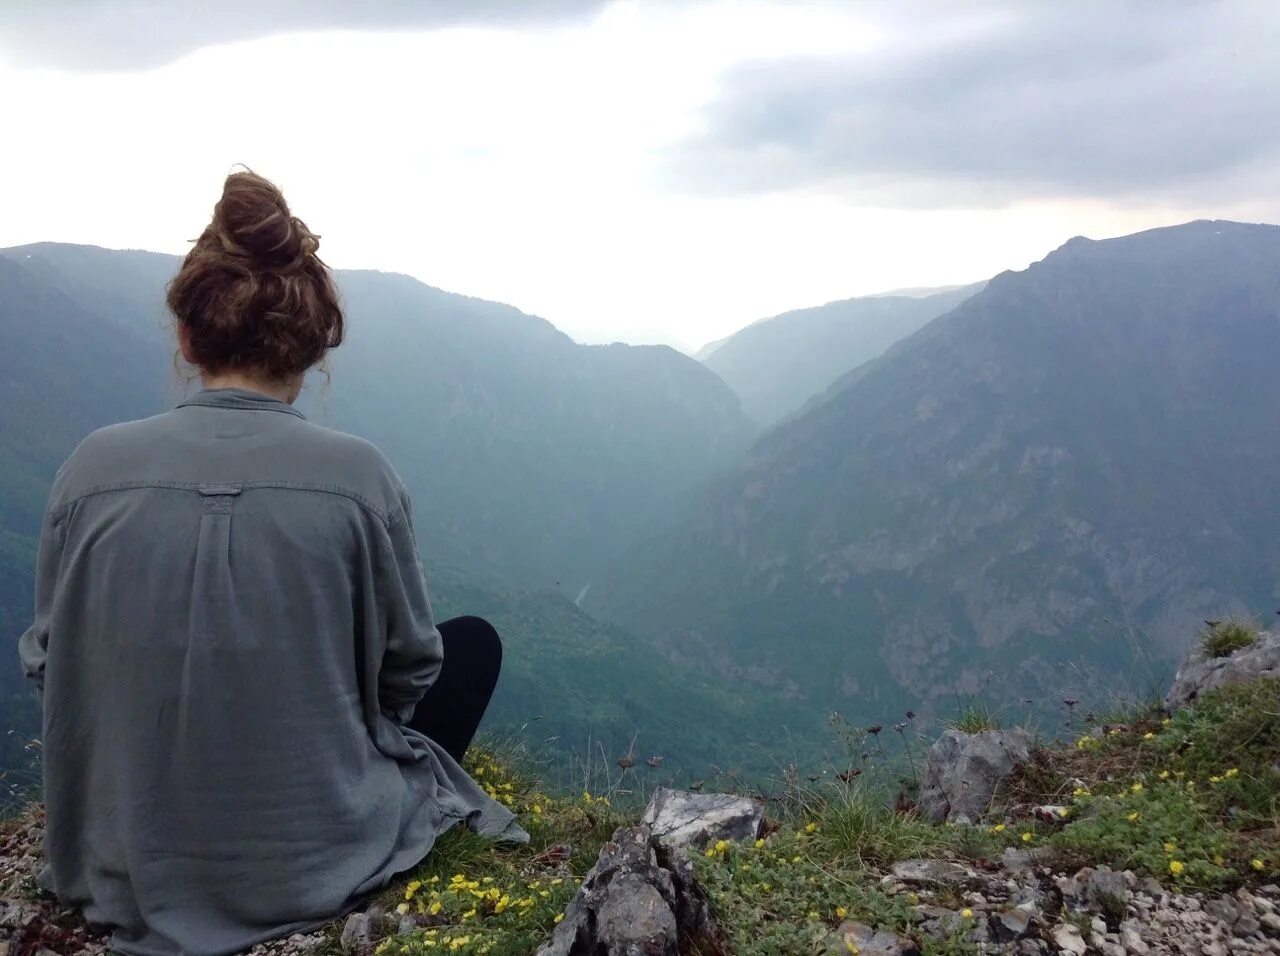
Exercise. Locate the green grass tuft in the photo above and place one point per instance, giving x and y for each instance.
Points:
(1226, 637)
(975, 718)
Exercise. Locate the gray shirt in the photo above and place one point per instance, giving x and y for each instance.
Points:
(231, 628)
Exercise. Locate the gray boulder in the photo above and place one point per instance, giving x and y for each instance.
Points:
(640, 899)
(1200, 672)
(931, 872)
(859, 938)
(962, 772)
(679, 818)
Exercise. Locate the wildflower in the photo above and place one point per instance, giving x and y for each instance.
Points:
(1170, 846)
(851, 946)
(1176, 867)
(841, 912)
(586, 797)
(1219, 859)
(559, 917)
(710, 852)
(759, 844)
(721, 846)
(966, 913)
(434, 879)
(1027, 837)
(913, 899)
(1166, 722)
(1215, 779)
(765, 887)
(537, 809)
(1063, 813)
(402, 908)
(813, 914)
(1136, 788)
(413, 887)
(469, 913)
(1256, 864)
(557, 881)
(998, 828)
(1148, 736)
(796, 859)
(810, 827)
(1080, 792)
(1233, 772)
(434, 908)
(1133, 817)
(1163, 774)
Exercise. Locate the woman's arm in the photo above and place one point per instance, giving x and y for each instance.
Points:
(33, 646)
(413, 653)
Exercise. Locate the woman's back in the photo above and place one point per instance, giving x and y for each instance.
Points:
(232, 629)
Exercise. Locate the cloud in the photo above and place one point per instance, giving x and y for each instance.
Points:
(959, 104)
(142, 34)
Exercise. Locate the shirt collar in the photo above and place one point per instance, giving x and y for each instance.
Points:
(240, 398)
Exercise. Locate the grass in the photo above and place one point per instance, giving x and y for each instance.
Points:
(975, 717)
(1192, 799)
(1226, 637)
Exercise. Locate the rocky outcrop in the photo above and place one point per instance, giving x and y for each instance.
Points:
(1200, 671)
(680, 818)
(640, 899)
(962, 772)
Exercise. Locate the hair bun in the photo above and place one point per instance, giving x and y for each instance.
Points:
(252, 222)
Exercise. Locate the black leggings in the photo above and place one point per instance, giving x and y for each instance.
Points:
(450, 712)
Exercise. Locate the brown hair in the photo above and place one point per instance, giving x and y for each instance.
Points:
(252, 294)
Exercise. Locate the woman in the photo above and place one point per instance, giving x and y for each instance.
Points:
(250, 718)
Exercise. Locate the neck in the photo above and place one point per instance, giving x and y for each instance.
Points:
(285, 390)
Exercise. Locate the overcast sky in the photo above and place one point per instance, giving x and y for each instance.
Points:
(645, 170)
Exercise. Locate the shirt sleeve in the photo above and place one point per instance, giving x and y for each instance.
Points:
(33, 646)
(414, 652)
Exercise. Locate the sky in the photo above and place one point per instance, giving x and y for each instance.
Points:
(645, 170)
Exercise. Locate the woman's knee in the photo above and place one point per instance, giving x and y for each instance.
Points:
(482, 636)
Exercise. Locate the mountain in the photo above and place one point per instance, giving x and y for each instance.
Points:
(777, 364)
(530, 459)
(1038, 495)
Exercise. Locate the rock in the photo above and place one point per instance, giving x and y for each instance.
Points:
(679, 818)
(962, 771)
(1069, 940)
(1099, 890)
(640, 899)
(851, 937)
(1200, 672)
(357, 931)
(938, 872)
(1015, 923)
(1019, 862)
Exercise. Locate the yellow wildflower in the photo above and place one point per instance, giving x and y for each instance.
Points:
(586, 797)
(1219, 859)
(1079, 792)
(1170, 846)
(1163, 774)
(1176, 867)
(851, 946)
(1027, 837)
(813, 914)
(537, 809)
(810, 827)
(402, 908)
(721, 846)
(502, 903)
(1063, 812)
(469, 913)
(998, 828)
(1233, 772)
(710, 852)
(559, 917)
(1133, 817)
(1215, 779)
(1136, 788)
(434, 908)
(841, 912)
(434, 879)
(765, 887)
(1257, 864)
(796, 859)
(1148, 736)
(966, 913)
(759, 843)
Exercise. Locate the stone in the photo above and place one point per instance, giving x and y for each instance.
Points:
(1098, 890)
(681, 818)
(1069, 940)
(931, 872)
(640, 899)
(962, 771)
(1016, 922)
(1200, 672)
(357, 931)
(851, 937)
